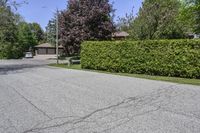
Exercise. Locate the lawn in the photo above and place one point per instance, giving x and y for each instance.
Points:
(159, 78)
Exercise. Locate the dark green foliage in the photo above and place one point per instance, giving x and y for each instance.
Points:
(16, 36)
(197, 16)
(26, 36)
(190, 15)
(179, 58)
(37, 32)
(8, 32)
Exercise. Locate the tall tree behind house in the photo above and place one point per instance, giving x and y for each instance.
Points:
(157, 19)
(85, 20)
(51, 32)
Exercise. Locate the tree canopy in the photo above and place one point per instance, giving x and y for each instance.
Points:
(157, 20)
(8, 31)
(16, 36)
(85, 20)
(196, 12)
(190, 15)
(51, 31)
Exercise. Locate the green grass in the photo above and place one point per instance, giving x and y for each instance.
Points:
(77, 67)
(159, 78)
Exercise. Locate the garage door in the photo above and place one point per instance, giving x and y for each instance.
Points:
(51, 51)
(42, 51)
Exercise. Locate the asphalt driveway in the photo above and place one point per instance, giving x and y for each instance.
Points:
(35, 98)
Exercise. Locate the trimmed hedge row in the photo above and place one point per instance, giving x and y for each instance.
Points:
(178, 58)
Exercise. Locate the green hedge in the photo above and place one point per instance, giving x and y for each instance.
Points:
(178, 58)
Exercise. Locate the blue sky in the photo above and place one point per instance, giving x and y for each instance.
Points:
(41, 11)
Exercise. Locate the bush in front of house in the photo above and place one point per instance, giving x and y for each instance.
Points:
(178, 58)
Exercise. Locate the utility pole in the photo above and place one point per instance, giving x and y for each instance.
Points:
(57, 49)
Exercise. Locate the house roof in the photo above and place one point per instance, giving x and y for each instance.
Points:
(46, 45)
(120, 34)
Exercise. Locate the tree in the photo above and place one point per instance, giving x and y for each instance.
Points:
(37, 32)
(124, 23)
(51, 32)
(8, 31)
(196, 12)
(98, 19)
(85, 20)
(26, 36)
(157, 19)
(12, 3)
(190, 15)
(7, 22)
(16, 36)
(187, 15)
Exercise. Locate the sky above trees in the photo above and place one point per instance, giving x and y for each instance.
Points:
(41, 11)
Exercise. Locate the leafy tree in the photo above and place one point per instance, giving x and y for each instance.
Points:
(8, 31)
(51, 32)
(12, 3)
(26, 37)
(37, 32)
(196, 12)
(157, 19)
(190, 15)
(186, 17)
(85, 20)
(16, 36)
(7, 23)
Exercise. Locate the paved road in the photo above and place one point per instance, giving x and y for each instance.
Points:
(41, 99)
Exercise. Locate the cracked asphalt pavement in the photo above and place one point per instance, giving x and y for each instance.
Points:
(35, 98)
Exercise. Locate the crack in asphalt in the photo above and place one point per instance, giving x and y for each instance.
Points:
(81, 119)
(131, 107)
(140, 114)
(22, 96)
(104, 119)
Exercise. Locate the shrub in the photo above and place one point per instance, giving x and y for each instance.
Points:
(178, 58)
(10, 50)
